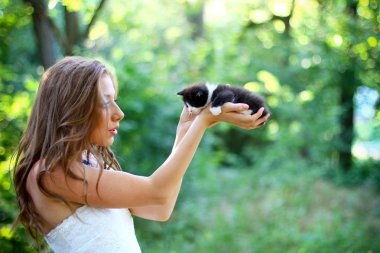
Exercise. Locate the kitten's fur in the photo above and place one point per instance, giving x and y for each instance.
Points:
(198, 96)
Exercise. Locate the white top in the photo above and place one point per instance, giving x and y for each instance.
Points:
(95, 230)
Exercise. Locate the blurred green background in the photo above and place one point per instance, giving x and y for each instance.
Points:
(308, 181)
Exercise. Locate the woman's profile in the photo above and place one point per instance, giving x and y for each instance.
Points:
(69, 185)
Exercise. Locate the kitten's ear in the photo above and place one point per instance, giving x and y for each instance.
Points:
(180, 93)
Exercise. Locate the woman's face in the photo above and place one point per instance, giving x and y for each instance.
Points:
(109, 114)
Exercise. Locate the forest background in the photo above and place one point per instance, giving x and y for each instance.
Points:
(308, 181)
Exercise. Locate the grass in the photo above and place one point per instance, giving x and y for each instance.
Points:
(287, 209)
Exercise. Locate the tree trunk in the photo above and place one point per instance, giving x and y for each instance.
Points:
(47, 33)
(349, 85)
(46, 43)
(73, 34)
(346, 135)
(194, 14)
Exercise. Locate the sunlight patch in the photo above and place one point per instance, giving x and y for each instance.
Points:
(271, 82)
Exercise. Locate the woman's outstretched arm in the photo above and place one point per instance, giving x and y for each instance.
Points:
(163, 212)
(118, 189)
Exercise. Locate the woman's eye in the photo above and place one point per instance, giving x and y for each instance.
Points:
(105, 104)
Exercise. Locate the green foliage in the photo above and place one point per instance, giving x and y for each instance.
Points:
(11, 240)
(273, 189)
(289, 209)
(17, 88)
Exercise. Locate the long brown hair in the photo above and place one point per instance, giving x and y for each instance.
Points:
(59, 127)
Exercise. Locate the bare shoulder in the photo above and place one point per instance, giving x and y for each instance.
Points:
(52, 211)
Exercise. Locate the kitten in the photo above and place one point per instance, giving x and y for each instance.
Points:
(199, 96)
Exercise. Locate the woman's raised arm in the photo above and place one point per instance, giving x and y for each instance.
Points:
(158, 192)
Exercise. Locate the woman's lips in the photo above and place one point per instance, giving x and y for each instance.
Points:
(114, 131)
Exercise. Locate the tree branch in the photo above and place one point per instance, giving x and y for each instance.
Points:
(73, 36)
(56, 32)
(39, 6)
(44, 32)
(285, 19)
(94, 17)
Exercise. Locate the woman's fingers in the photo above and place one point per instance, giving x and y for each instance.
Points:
(231, 113)
(237, 119)
(245, 121)
(186, 116)
(258, 114)
(262, 120)
(257, 120)
(231, 107)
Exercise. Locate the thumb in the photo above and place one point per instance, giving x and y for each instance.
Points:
(231, 107)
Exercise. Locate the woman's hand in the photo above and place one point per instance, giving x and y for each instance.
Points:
(185, 120)
(232, 113)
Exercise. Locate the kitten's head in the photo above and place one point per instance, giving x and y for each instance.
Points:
(195, 97)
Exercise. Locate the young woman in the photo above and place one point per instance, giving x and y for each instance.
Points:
(70, 187)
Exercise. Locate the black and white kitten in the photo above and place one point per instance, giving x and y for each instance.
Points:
(198, 96)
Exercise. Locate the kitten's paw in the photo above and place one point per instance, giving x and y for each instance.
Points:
(216, 110)
(247, 112)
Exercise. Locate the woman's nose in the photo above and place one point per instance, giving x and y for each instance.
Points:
(118, 114)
